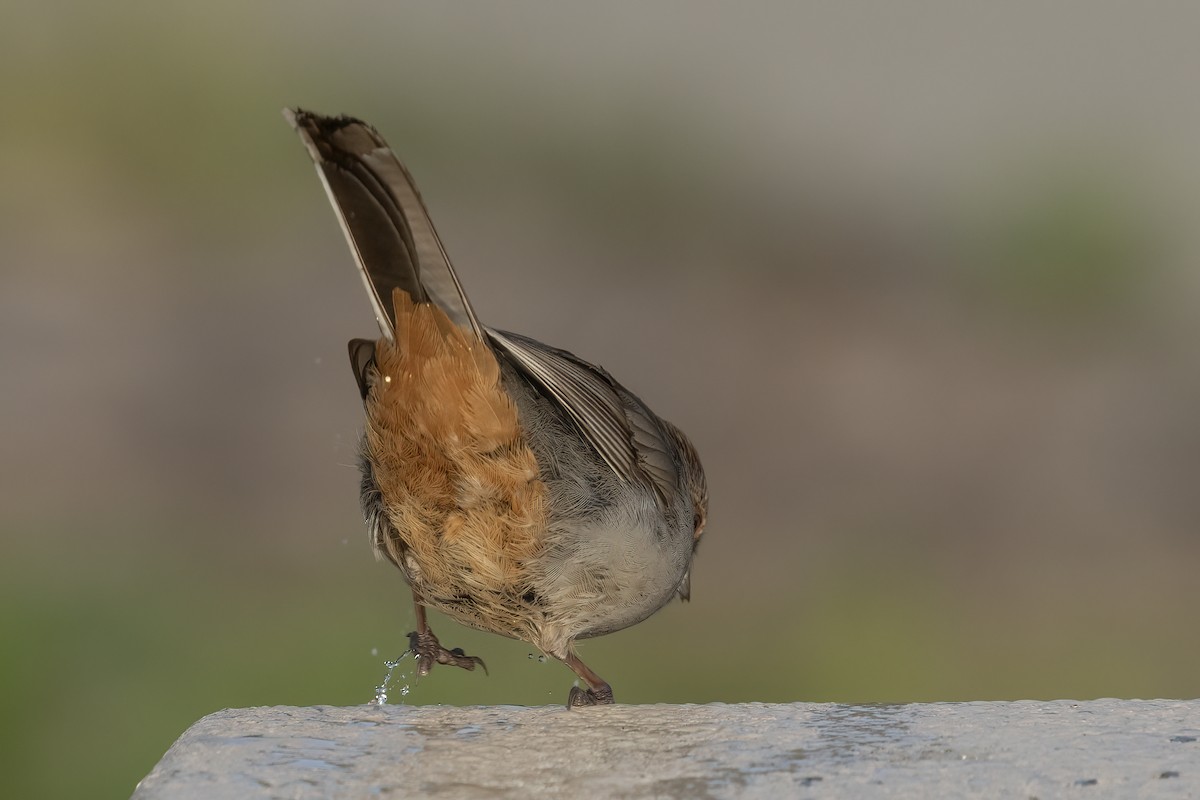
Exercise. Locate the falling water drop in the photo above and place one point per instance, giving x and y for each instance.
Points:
(381, 691)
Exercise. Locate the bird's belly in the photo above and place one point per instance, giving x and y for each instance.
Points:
(599, 579)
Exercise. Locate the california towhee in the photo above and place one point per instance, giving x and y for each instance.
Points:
(520, 489)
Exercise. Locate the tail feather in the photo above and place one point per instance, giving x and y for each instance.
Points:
(384, 220)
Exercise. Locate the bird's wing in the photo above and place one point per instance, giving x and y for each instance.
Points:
(626, 434)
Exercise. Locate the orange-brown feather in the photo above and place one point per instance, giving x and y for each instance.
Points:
(459, 483)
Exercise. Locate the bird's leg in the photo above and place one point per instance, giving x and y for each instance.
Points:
(426, 647)
(598, 693)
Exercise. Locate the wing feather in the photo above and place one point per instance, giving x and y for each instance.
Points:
(626, 434)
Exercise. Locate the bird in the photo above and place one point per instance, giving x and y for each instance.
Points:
(519, 489)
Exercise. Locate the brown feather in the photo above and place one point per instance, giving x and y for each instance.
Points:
(460, 483)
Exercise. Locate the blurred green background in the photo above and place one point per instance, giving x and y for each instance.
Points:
(920, 280)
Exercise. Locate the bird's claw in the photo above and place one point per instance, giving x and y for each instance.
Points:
(579, 697)
(428, 650)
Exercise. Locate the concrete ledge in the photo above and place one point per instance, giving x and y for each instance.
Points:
(1100, 748)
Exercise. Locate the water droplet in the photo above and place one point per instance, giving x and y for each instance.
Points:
(381, 691)
(374, 652)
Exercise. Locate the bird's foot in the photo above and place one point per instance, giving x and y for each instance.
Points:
(428, 650)
(601, 696)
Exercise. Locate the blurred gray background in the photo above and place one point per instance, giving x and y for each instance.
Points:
(920, 280)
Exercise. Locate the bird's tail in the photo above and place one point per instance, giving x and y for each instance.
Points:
(385, 221)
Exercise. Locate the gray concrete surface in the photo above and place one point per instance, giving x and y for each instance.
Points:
(1101, 748)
